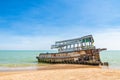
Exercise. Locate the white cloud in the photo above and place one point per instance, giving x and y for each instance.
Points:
(108, 39)
(27, 43)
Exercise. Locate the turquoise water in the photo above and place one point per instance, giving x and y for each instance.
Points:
(20, 58)
(112, 57)
(16, 58)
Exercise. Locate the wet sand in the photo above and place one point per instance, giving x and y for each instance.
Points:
(63, 72)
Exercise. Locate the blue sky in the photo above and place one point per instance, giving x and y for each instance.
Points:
(36, 24)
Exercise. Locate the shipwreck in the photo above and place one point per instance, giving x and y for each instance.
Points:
(74, 51)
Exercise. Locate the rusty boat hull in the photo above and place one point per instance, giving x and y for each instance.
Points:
(89, 57)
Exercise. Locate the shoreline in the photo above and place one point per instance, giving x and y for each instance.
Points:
(45, 67)
(63, 72)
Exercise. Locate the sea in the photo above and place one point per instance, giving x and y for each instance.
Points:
(11, 60)
(26, 59)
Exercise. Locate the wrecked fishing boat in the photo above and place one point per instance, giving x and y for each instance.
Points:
(73, 51)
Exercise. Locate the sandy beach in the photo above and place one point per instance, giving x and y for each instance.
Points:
(63, 72)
